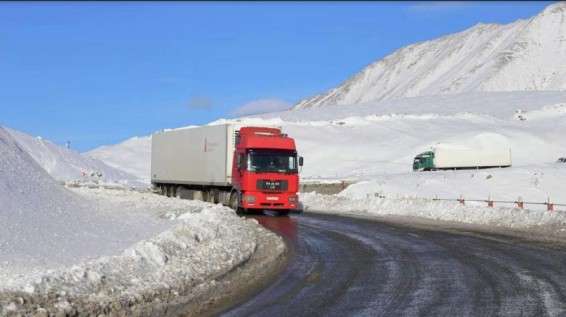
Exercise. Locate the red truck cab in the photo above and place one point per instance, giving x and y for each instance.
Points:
(265, 171)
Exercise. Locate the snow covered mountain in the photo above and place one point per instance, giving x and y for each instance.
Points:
(364, 140)
(527, 55)
(65, 164)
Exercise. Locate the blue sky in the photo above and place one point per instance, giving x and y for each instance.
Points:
(98, 73)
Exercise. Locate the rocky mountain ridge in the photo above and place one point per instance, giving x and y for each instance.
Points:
(527, 55)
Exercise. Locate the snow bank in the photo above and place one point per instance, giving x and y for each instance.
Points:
(514, 218)
(92, 250)
(533, 184)
(202, 242)
(46, 225)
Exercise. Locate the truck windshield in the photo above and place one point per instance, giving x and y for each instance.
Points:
(272, 161)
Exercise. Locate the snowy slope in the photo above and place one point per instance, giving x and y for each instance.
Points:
(368, 143)
(381, 137)
(376, 143)
(95, 247)
(315, 129)
(527, 55)
(125, 156)
(65, 164)
(43, 223)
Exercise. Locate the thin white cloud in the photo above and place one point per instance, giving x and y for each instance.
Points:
(259, 107)
(434, 8)
(202, 102)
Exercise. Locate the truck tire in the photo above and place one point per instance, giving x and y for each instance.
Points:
(203, 195)
(174, 191)
(210, 196)
(215, 196)
(234, 203)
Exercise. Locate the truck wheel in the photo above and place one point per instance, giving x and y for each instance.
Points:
(174, 191)
(234, 203)
(283, 212)
(210, 197)
(215, 196)
(203, 195)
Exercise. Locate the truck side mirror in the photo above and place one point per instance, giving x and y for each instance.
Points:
(300, 161)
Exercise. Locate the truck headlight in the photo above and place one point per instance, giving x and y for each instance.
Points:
(249, 199)
(293, 199)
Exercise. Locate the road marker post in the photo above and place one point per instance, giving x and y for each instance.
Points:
(520, 203)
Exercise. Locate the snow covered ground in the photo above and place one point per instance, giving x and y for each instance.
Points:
(82, 246)
(66, 250)
(375, 143)
(111, 243)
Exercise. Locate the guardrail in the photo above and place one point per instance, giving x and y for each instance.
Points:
(519, 202)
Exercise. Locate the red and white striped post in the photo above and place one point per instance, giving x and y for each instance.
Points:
(489, 201)
(462, 202)
(549, 206)
(520, 202)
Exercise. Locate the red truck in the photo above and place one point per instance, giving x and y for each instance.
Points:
(244, 167)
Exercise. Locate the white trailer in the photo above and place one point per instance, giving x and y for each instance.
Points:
(441, 159)
(198, 163)
(192, 156)
(195, 156)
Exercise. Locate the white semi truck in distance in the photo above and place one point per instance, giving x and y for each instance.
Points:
(444, 159)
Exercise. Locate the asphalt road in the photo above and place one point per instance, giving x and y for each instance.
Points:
(354, 267)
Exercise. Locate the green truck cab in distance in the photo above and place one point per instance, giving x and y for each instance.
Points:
(424, 161)
(449, 159)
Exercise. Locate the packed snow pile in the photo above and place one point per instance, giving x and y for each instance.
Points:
(67, 251)
(132, 156)
(533, 185)
(43, 223)
(349, 202)
(67, 165)
(527, 55)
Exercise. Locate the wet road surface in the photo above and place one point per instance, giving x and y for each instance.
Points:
(356, 267)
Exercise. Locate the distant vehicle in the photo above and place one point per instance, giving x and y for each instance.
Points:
(441, 159)
(561, 160)
(244, 167)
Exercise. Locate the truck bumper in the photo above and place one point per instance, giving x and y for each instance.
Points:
(276, 201)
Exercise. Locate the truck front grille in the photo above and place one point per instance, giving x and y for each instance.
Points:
(272, 184)
(269, 205)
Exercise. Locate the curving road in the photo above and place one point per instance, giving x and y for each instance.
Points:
(356, 267)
